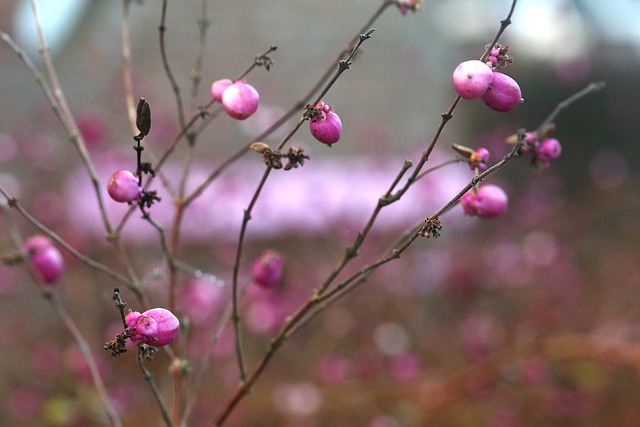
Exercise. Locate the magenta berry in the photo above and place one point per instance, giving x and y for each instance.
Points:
(218, 87)
(490, 201)
(472, 79)
(478, 159)
(45, 257)
(267, 269)
(123, 187)
(326, 126)
(240, 100)
(549, 149)
(503, 94)
(155, 327)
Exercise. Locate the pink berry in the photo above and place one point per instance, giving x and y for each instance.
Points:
(490, 201)
(155, 327)
(503, 94)
(326, 127)
(240, 100)
(218, 87)
(549, 149)
(479, 159)
(45, 257)
(123, 187)
(267, 269)
(471, 79)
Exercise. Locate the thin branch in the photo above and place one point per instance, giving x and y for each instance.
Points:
(85, 349)
(148, 376)
(162, 28)
(196, 74)
(66, 116)
(592, 87)
(126, 67)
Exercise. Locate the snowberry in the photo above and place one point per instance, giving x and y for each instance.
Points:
(471, 79)
(503, 93)
(123, 187)
(218, 87)
(240, 100)
(155, 327)
(45, 257)
(490, 201)
(326, 126)
(549, 149)
(267, 269)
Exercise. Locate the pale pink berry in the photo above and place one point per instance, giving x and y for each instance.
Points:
(490, 201)
(471, 79)
(240, 100)
(155, 327)
(503, 93)
(45, 257)
(267, 269)
(326, 126)
(549, 149)
(218, 87)
(123, 187)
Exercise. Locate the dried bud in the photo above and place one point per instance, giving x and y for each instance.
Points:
(464, 151)
(143, 117)
(547, 131)
(260, 147)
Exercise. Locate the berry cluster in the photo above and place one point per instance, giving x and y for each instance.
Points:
(476, 79)
(540, 144)
(156, 327)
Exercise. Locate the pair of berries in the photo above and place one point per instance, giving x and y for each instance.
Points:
(475, 79)
(155, 327)
(239, 99)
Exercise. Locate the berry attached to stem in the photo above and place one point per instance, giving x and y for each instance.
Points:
(124, 187)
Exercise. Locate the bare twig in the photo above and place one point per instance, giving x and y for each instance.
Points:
(148, 376)
(126, 67)
(66, 117)
(592, 87)
(162, 28)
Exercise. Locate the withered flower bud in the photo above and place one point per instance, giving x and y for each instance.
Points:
(143, 117)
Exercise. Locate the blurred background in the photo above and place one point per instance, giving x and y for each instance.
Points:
(527, 320)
